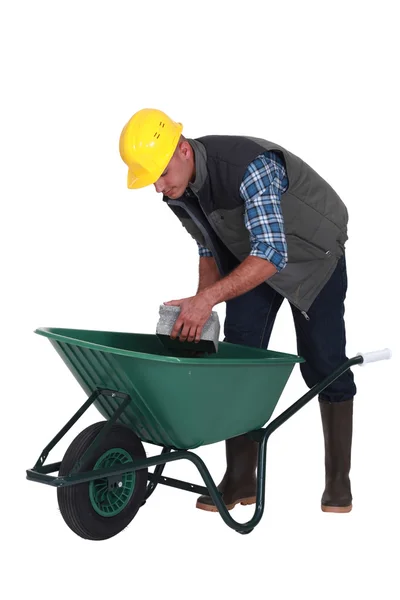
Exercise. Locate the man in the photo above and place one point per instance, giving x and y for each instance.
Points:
(268, 227)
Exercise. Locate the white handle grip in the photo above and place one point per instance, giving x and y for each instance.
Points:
(368, 357)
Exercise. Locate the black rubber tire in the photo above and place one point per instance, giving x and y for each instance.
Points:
(74, 501)
(246, 532)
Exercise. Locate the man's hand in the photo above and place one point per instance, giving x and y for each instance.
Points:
(196, 310)
(194, 313)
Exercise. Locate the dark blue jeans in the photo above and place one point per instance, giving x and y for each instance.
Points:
(321, 341)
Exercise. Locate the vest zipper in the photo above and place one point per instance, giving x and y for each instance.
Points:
(305, 315)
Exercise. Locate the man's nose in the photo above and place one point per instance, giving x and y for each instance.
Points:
(158, 186)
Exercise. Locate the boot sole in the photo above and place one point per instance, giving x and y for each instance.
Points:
(336, 509)
(213, 508)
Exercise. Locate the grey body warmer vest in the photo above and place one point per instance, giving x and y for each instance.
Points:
(315, 218)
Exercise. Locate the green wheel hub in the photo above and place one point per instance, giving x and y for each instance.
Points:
(110, 498)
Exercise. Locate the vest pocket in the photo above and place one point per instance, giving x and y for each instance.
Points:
(301, 250)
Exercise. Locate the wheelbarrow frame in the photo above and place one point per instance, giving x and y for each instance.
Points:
(41, 472)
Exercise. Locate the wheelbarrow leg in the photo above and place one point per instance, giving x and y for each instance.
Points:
(216, 496)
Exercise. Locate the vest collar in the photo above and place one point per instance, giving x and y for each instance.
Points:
(200, 159)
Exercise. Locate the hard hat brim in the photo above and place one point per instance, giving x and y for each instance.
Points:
(136, 182)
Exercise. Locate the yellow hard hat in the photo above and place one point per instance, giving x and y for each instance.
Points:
(146, 145)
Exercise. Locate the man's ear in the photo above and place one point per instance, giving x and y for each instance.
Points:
(185, 149)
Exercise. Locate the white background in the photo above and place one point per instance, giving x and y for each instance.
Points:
(81, 250)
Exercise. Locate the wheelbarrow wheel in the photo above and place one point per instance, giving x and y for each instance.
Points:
(100, 509)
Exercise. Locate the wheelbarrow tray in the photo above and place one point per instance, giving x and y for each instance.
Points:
(176, 402)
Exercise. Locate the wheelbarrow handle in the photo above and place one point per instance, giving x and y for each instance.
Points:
(368, 357)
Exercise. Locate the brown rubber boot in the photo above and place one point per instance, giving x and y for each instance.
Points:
(239, 484)
(337, 424)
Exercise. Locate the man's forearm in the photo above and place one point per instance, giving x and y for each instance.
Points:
(208, 273)
(248, 275)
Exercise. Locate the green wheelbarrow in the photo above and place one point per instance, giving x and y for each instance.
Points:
(176, 403)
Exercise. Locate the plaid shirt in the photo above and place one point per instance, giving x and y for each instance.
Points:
(263, 183)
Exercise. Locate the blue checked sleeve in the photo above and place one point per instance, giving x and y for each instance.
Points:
(263, 183)
(204, 251)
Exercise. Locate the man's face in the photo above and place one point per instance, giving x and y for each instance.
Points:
(175, 179)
